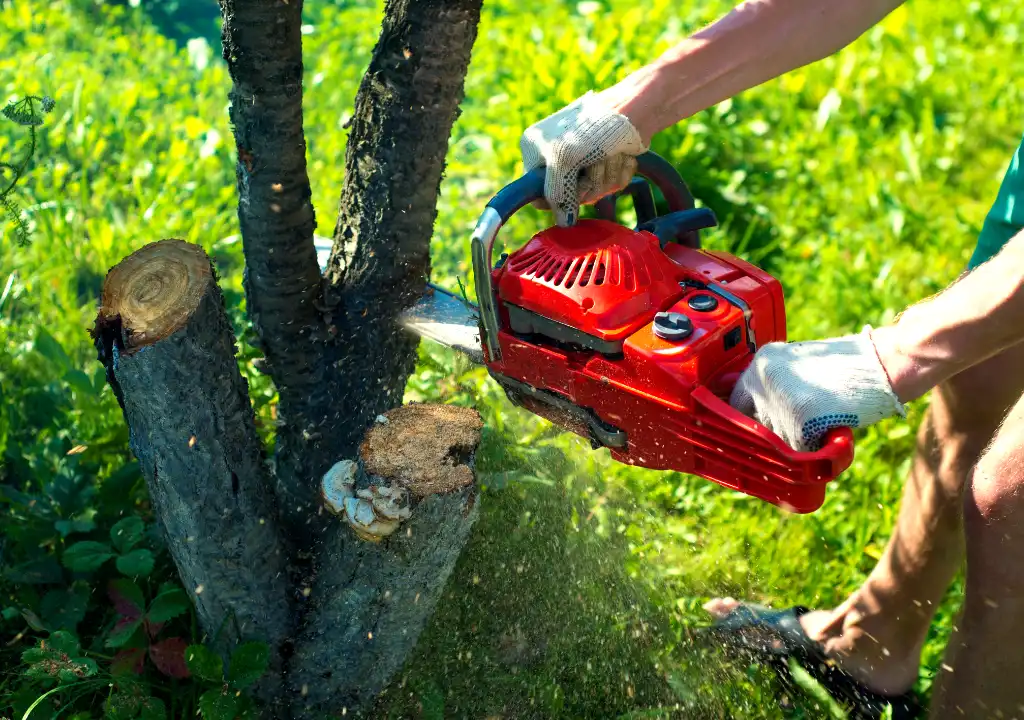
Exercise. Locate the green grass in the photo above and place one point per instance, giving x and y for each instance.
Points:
(861, 182)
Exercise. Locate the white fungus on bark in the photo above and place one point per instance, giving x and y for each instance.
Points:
(372, 512)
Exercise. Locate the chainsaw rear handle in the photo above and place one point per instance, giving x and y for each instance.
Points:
(529, 188)
(833, 457)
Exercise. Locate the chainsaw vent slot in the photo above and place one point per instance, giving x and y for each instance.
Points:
(610, 266)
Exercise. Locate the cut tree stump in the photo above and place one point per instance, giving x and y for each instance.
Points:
(169, 351)
(406, 508)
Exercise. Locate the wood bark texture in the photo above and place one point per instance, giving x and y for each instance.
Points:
(262, 44)
(168, 348)
(405, 110)
(371, 600)
(340, 611)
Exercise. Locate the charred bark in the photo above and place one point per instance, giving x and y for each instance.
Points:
(262, 44)
(382, 576)
(168, 348)
(404, 113)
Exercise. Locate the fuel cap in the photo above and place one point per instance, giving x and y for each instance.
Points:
(703, 303)
(672, 326)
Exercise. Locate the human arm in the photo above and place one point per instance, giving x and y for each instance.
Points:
(975, 318)
(601, 133)
(758, 41)
(801, 390)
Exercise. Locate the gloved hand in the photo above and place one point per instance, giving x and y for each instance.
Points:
(802, 390)
(589, 136)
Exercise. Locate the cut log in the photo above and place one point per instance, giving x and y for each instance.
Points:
(406, 509)
(169, 351)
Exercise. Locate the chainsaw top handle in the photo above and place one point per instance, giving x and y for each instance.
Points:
(530, 187)
(680, 224)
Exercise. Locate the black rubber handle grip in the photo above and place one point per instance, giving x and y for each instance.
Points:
(673, 226)
(530, 187)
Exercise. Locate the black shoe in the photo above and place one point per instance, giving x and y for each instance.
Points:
(776, 636)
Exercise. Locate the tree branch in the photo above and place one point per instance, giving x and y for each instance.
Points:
(167, 345)
(404, 113)
(262, 44)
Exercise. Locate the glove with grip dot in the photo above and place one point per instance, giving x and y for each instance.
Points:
(589, 151)
(802, 390)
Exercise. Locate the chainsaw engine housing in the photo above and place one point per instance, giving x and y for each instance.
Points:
(634, 341)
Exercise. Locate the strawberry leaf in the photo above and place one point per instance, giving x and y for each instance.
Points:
(216, 705)
(86, 556)
(169, 657)
(153, 709)
(123, 632)
(167, 605)
(248, 663)
(137, 563)
(128, 662)
(127, 598)
(204, 663)
(126, 533)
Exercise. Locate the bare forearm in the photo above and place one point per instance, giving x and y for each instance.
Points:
(757, 41)
(970, 321)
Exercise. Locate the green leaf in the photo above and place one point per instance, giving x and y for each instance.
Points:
(47, 346)
(81, 524)
(79, 382)
(123, 632)
(153, 709)
(64, 609)
(127, 598)
(204, 663)
(248, 663)
(121, 706)
(87, 556)
(63, 641)
(76, 669)
(137, 563)
(167, 605)
(126, 533)
(10, 613)
(38, 571)
(216, 705)
(36, 654)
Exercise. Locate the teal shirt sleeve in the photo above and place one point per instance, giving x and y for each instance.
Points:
(1006, 217)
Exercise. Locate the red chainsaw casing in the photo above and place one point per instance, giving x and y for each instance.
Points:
(577, 337)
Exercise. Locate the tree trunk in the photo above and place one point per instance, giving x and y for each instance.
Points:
(168, 348)
(404, 113)
(377, 591)
(262, 44)
(282, 569)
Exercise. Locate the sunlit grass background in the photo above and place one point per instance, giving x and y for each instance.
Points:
(861, 182)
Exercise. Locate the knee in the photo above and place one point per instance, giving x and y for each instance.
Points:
(994, 510)
(996, 489)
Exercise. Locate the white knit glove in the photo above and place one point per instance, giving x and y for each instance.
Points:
(585, 137)
(802, 390)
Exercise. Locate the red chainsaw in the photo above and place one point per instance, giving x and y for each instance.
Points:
(633, 338)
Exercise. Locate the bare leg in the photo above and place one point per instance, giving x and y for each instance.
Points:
(877, 634)
(985, 658)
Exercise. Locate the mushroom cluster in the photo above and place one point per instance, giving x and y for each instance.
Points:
(372, 512)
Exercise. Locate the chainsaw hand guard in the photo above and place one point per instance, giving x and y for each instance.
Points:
(634, 338)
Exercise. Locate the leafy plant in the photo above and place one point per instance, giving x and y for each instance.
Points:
(860, 181)
(225, 700)
(136, 629)
(27, 112)
(89, 555)
(58, 659)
